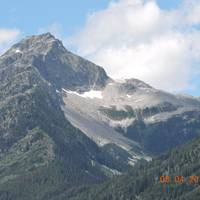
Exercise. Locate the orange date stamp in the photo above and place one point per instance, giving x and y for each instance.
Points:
(167, 180)
(179, 179)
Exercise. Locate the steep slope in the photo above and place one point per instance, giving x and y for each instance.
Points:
(143, 182)
(58, 66)
(41, 153)
(156, 120)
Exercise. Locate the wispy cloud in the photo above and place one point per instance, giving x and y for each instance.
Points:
(7, 37)
(136, 38)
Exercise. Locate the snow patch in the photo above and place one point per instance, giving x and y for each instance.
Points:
(132, 161)
(139, 100)
(110, 170)
(120, 80)
(92, 163)
(18, 51)
(123, 123)
(93, 94)
(101, 141)
(90, 94)
(135, 158)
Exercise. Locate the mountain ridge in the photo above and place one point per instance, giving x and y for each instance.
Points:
(41, 152)
(59, 66)
(46, 152)
(130, 108)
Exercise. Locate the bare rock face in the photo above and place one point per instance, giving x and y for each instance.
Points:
(60, 67)
(156, 120)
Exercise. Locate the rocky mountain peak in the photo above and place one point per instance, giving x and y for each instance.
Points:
(55, 63)
(40, 44)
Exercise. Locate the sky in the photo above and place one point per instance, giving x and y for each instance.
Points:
(156, 41)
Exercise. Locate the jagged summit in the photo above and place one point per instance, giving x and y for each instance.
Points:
(62, 68)
(55, 63)
(37, 44)
(41, 39)
(45, 37)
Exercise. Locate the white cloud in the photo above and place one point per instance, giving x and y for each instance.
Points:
(136, 38)
(191, 10)
(7, 37)
(158, 62)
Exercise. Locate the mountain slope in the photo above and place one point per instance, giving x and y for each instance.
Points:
(64, 125)
(155, 120)
(58, 66)
(143, 182)
(41, 153)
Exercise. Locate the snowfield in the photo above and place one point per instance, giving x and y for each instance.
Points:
(90, 94)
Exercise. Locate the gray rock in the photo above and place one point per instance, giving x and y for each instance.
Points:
(57, 65)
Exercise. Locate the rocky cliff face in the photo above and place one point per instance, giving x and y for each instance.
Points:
(58, 66)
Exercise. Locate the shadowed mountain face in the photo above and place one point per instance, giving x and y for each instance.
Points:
(64, 123)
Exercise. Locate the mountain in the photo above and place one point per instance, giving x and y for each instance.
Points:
(66, 125)
(56, 65)
(144, 181)
(132, 111)
(41, 154)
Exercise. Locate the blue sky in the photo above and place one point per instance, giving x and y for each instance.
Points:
(168, 4)
(29, 16)
(70, 18)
